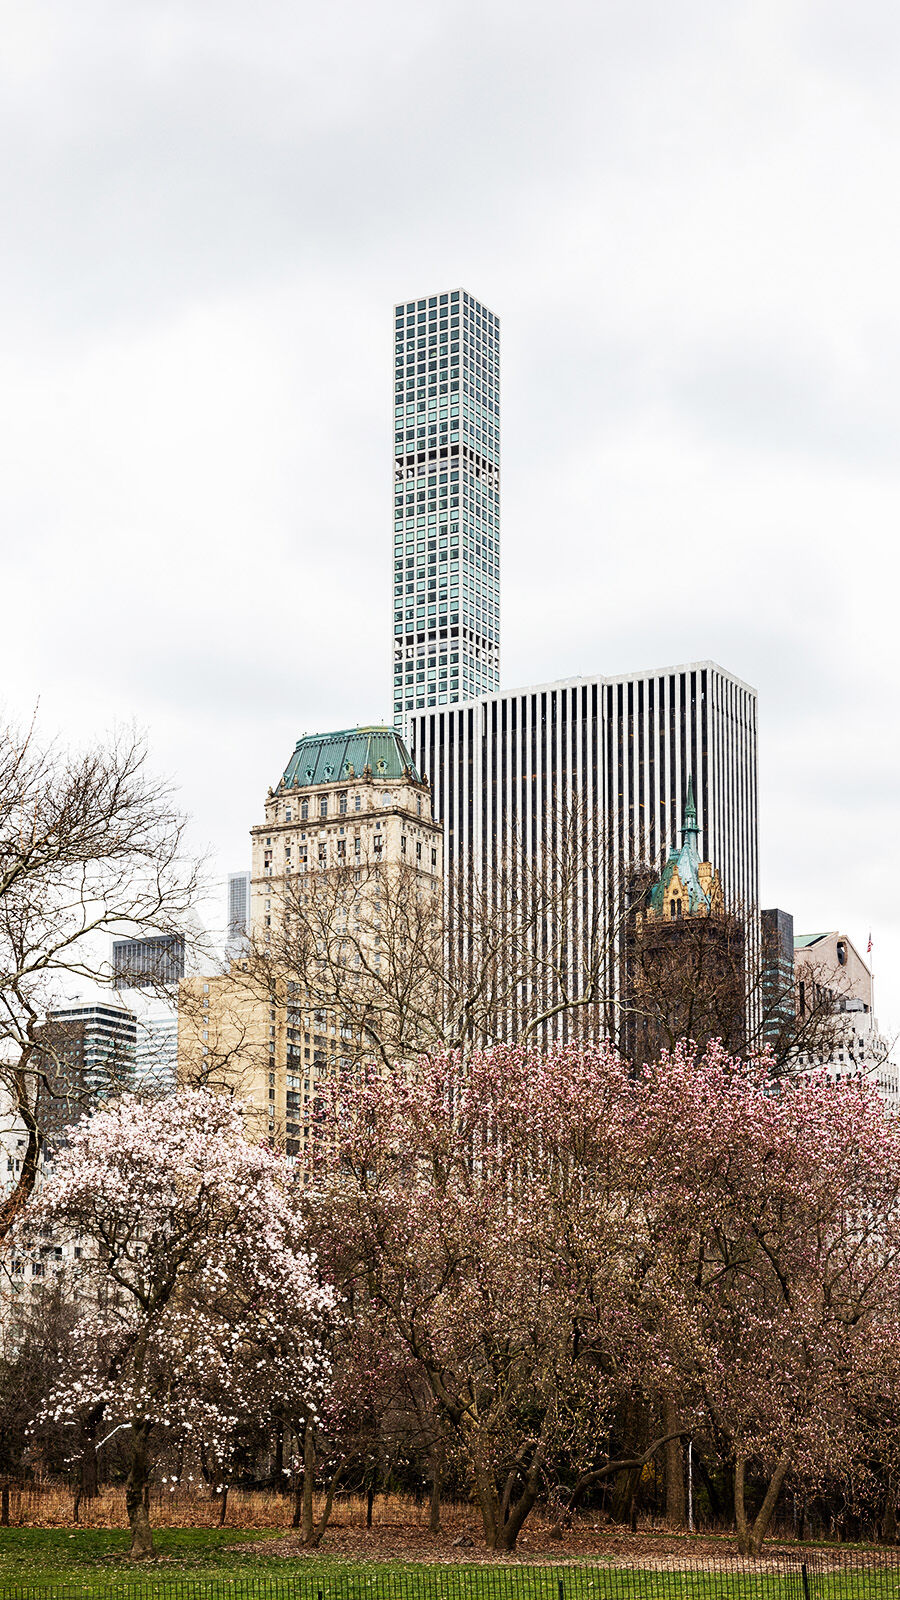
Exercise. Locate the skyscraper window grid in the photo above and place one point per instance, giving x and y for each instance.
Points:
(446, 501)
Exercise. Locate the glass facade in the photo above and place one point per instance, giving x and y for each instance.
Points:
(446, 502)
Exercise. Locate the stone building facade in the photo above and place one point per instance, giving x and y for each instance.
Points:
(684, 956)
(349, 807)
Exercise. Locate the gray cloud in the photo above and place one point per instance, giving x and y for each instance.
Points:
(682, 215)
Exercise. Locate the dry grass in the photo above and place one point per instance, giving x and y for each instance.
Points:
(50, 1505)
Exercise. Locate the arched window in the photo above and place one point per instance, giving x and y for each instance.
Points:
(304, 810)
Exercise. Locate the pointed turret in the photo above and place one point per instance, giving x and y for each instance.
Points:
(690, 813)
(695, 883)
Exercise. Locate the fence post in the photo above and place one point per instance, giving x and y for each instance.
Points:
(560, 1592)
(804, 1575)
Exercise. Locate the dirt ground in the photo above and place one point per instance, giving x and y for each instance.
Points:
(461, 1540)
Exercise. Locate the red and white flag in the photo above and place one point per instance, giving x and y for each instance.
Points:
(869, 946)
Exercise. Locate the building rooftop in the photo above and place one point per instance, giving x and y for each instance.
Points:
(685, 860)
(377, 752)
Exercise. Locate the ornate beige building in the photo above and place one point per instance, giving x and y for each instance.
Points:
(349, 813)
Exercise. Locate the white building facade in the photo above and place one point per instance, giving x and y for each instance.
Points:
(622, 749)
(828, 966)
(511, 772)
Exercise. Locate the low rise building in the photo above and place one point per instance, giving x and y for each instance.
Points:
(834, 979)
(88, 1054)
(684, 955)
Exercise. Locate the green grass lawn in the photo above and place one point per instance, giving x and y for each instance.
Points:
(204, 1563)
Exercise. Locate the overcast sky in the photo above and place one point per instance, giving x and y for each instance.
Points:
(686, 217)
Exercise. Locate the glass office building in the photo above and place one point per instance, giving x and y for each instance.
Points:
(446, 502)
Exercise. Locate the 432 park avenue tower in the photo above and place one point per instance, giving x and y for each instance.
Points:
(446, 501)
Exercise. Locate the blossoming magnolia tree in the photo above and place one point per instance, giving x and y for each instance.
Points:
(548, 1237)
(776, 1216)
(453, 1211)
(199, 1307)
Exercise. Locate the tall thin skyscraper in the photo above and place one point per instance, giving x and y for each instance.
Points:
(446, 502)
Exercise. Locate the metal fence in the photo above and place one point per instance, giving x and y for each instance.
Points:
(777, 1575)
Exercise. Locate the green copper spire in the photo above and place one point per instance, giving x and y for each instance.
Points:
(690, 833)
(690, 810)
(686, 861)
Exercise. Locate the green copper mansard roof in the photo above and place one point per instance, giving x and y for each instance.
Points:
(333, 757)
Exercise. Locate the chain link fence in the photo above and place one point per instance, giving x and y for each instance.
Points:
(777, 1575)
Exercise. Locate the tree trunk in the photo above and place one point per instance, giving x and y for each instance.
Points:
(4, 1506)
(298, 1505)
(224, 1505)
(676, 1509)
(486, 1495)
(750, 1538)
(137, 1492)
(319, 1529)
(512, 1512)
(15, 1201)
(434, 1511)
(511, 1526)
(717, 1503)
(309, 1479)
(88, 1466)
(889, 1520)
(740, 1506)
(370, 1504)
(623, 1500)
(278, 1466)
